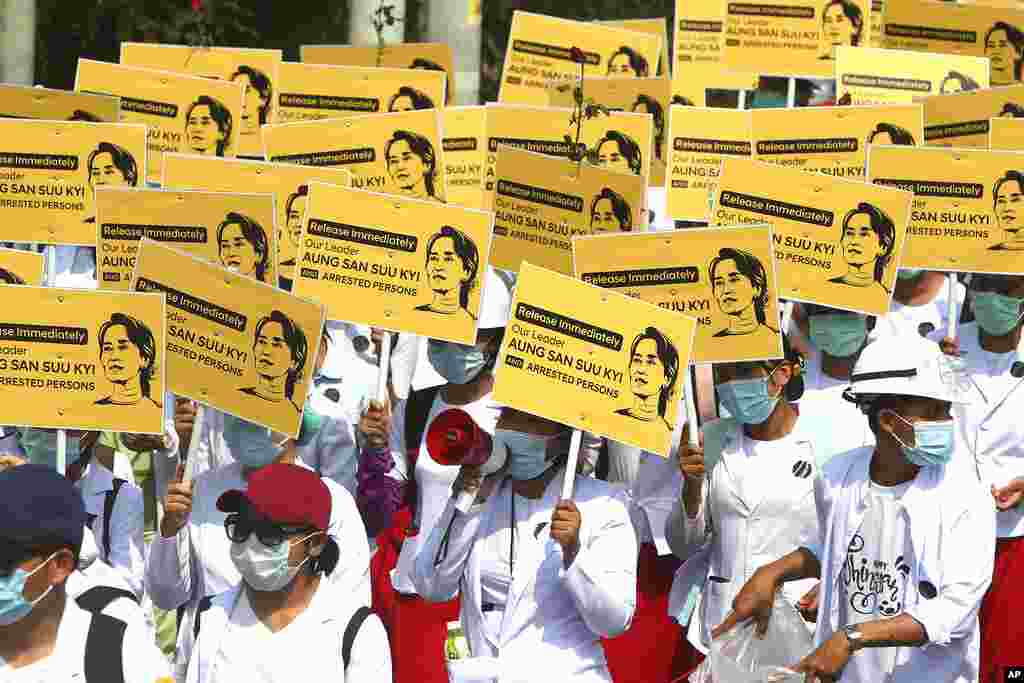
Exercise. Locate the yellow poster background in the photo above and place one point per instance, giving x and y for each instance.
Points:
(233, 343)
(867, 75)
(162, 100)
(541, 203)
(254, 68)
(957, 223)
(594, 360)
(46, 186)
(961, 119)
(699, 138)
(27, 102)
(464, 154)
(90, 360)
(227, 229)
(539, 52)
(21, 268)
(360, 145)
(285, 181)
(655, 26)
(737, 319)
(1006, 134)
(837, 242)
(699, 37)
(398, 264)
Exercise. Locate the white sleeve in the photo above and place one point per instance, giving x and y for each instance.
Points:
(173, 577)
(623, 463)
(165, 460)
(683, 533)
(353, 571)
(370, 660)
(126, 543)
(397, 445)
(438, 570)
(404, 358)
(142, 660)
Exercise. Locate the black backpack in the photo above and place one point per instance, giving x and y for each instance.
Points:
(351, 631)
(104, 644)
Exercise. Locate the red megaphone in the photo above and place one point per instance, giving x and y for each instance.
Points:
(455, 439)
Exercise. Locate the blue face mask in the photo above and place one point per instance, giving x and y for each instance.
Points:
(908, 273)
(40, 446)
(933, 442)
(840, 336)
(747, 400)
(997, 314)
(458, 364)
(250, 444)
(13, 605)
(528, 454)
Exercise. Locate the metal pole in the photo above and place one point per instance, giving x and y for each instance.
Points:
(361, 30)
(18, 51)
(458, 24)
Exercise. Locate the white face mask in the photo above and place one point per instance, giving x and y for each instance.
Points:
(266, 568)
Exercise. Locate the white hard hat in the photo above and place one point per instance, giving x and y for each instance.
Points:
(495, 300)
(907, 365)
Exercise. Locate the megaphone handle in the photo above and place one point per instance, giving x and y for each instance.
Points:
(383, 367)
(571, 464)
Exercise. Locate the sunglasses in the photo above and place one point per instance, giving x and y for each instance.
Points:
(240, 527)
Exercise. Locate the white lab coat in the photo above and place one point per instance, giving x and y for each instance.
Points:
(951, 522)
(370, 659)
(196, 562)
(554, 617)
(833, 424)
(915, 320)
(748, 518)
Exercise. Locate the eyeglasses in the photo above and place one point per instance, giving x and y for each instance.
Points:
(239, 528)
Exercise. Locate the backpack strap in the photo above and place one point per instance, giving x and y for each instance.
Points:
(98, 598)
(104, 650)
(417, 409)
(204, 604)
(351, 631)
(108, 511)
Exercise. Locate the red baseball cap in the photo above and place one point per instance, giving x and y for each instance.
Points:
(284, 494)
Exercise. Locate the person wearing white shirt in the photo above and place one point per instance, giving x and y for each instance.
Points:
(920, 304)
(542, 578)
(991, 432)
(189, 563)
(280, 546)
(748, 500)
(906, 543)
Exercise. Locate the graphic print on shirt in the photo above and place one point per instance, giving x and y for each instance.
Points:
(873, 586)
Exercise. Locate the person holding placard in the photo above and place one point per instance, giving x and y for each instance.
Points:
(412, 164)
(541, 578)
(991, 437)
(208, 127)
(747, 492)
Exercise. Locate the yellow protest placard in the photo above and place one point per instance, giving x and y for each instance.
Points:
(637, 95)
(48, 170)
(399, 153)
(429, 56)
(256, 69)
(977, 29)
(594, 360)
(965, 216)
(617, 141)
(464, 153)
(786, 38)
(961, 119)
(832, 140)
(398, 264)
(699, 37)
(90, 360)
(288, 182)
(867, 75)
(1007, 134)
(837, 242)
(655, 26)
(540, 52)
(182, 113)
(319, 91)
(233, 230)
(21, 267)
(542, 202)
(877, 38)
(700, 138)
(233, 343)
(27, 102)
(722, 277)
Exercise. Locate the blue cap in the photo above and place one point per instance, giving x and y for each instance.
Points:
(39, 505)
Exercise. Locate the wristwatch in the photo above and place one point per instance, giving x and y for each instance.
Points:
(854, 637)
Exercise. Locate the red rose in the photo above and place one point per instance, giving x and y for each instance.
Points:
(197, 5)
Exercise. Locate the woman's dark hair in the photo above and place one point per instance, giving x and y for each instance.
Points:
(428, 65)
(1013, 109)
(253, 233)
(683, 101)
(1016, 38)
(421, 147)
(83, 115)
(260, 81)
(220, 114)
(627, 148)
(898, 134)
(752, 269)
(669, 358)
(467, 252)
(296, 341)
(883, 227)
(123, 161)
(300, 191)
(141, 337)
(657, 112)
(852, 13)
(419, 100)
(1015, 176)
(637, 62)
(965, 81)
(620, 207)
(9, 278)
